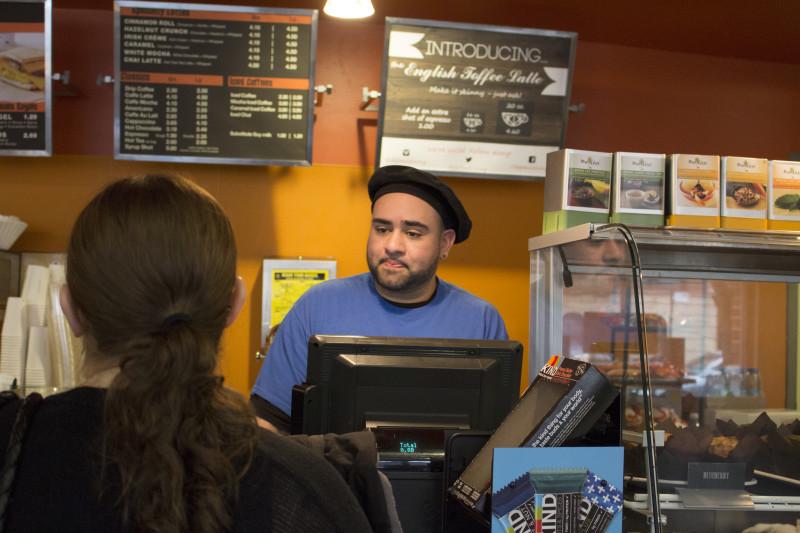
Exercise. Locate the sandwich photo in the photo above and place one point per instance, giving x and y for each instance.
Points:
(23, 67)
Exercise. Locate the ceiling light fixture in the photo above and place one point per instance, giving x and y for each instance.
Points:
(349, 9)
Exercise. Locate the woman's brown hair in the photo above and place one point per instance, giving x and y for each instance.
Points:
(151, 270)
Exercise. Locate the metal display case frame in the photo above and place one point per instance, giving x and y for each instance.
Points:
(641, 253)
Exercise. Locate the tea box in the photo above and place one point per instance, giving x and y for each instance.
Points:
(694, 191)
(744, 183)
(577, 188)
(784, 195)
(638, 189)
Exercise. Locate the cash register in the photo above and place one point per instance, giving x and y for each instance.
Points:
(413, 393)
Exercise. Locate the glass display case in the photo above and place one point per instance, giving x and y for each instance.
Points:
(717, 323)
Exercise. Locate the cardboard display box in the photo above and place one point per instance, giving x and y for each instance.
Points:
(562, 403)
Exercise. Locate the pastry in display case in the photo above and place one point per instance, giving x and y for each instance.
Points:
(714, 315)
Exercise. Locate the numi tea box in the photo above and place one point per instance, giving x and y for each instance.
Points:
(694, 191)
(784, 195)
(744, 182)
(638, 189)
(577, 188)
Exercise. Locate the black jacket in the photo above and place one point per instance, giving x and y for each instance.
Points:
(287, 488)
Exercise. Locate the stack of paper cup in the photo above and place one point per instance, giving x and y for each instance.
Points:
(6, 382)
(34, 293)
(37, 365)
(14, 339)
(66, 349)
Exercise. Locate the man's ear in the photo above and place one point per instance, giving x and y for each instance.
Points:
(70, 312)
(448, 239)
(238, 297)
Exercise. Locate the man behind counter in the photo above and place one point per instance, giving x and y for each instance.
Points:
(416, 219)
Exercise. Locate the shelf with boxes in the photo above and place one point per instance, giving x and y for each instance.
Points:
(683, 190)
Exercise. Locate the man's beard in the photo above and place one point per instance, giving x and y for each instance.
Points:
(402, 280)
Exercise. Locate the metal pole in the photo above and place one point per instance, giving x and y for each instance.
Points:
(649, 426)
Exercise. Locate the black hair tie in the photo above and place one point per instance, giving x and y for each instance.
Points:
(176, 319)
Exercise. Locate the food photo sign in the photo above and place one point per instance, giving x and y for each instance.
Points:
(473, 100)
(25, 96)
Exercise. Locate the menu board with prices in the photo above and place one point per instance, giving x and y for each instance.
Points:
(25, 93)
(473, 100)
(214, 84)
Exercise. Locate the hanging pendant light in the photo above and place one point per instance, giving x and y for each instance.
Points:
(349, 9)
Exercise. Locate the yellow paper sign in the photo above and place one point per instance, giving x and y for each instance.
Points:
(287, 286)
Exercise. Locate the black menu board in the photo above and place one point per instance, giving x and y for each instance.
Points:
(214, 84)
(25, 95)
(472, 100)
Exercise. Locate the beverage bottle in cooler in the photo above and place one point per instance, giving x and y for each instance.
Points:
(751, 382)
(733, 376)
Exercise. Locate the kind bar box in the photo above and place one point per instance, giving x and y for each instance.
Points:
(562, 403)
(638, 189)
(744, 182)
(784, 195)
(694, 191)
(577, 188)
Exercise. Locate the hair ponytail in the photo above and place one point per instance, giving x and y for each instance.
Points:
(168, 421)
(151, 268)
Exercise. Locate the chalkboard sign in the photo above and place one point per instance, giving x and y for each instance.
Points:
(202, 83)
(470, 100)
(25, 93)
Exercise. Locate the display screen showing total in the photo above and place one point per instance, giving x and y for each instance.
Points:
(409, 440)
(408, 446)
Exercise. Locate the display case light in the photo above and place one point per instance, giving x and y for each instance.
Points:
(349, 9)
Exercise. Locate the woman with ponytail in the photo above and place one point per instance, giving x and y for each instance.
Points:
(153, 441)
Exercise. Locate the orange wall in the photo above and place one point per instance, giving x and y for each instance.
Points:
(321, 211)
(637, 99)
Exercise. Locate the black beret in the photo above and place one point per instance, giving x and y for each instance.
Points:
(427, 187)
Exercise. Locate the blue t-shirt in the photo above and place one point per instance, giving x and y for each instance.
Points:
(352, 306)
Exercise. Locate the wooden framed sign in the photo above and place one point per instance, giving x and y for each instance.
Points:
(25, 73)
(203, 83)
(472, 100)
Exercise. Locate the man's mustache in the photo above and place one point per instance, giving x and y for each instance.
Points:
(385, 259)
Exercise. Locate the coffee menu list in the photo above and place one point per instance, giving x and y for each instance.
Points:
(214, 84)
(24, 78)
(473, 100)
